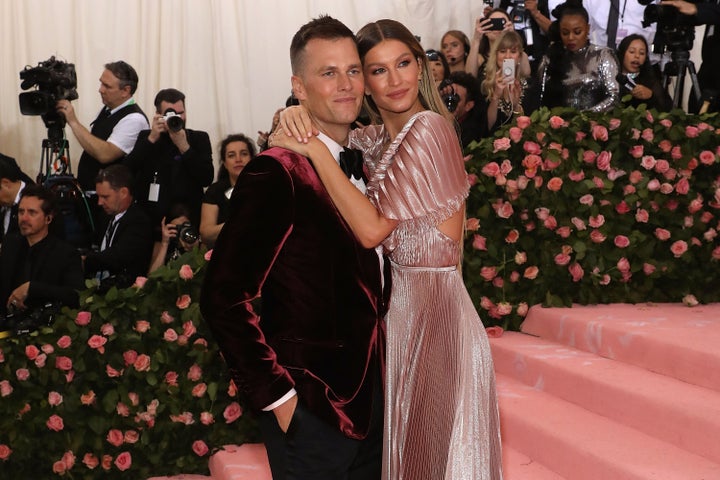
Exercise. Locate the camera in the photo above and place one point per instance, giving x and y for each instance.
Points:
(675, 31)
(187, 233)
(27, 321)
(497, 24)
(489, 3)
(174, 122)
(53, 80)
(451, 99)
(521, 21)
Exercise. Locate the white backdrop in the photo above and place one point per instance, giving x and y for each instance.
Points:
(230, 57)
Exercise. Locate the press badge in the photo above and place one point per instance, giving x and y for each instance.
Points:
(621, 33)
(154, 192)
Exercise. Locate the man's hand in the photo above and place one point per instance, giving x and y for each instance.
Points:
(157, 127)
(179, 138)
(531, 6)
(686, 8)
(285, 412)
(66, 110)
(18, 296)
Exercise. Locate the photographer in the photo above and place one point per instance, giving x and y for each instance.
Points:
(178, 236)
(114, 131)
(707, 13)
(461, 98)
(36, 266)
(170, 162)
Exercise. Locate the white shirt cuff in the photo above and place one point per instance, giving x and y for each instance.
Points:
(282, 400)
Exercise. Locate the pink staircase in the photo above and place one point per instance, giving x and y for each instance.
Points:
(619, 392)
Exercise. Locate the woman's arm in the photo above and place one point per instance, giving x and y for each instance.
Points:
(608, 76)
(209, 228)
(369, 227)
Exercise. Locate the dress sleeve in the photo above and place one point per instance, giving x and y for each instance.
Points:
(425, 173)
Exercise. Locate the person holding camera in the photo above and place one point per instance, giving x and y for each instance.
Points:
(178, 236)
(170, 163)
(114, 131)
(124, 242)
(506, 90)
(36, 266)
(461, 94)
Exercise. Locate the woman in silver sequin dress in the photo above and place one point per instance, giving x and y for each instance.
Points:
(441, 412)
(574, 72)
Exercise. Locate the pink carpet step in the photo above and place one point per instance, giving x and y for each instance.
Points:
(625, 393)
(578, 444)
(671, 339)
(244, 462)
(518, 466)
(183, 476)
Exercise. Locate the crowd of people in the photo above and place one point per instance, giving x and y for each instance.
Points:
(370, 359)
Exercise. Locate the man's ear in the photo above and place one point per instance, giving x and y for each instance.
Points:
(48, 219)
(298, 87)
(469, 105)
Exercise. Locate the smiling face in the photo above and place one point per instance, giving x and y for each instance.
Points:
(392, 76)
(574, 31)
(635, 56)
(329, 85)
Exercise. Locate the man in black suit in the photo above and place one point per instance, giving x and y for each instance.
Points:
(312, 366)
(35, 265)
(12, 182)
(125, 245)
(171, 164)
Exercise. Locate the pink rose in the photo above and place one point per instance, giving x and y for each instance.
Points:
(665, 146)
(130, 356)
(498, 282)
(556, 122)
(232, 412)
(563, 232)
(5, 452)
(183, 302)
(165, 317)
(579, 223)
(682, 187)
(666, 123)
(63, 363)
(648, 135)
(171, 379)
(186, 272)
(515, 134)
(472, 224)
(587, 199)
(648, 162)
(522, 309)
(123, 461)
(59, 467)
(514, 277)
(200, 448)
(642, 216)
(199, 390)
(600, 133)
(170, 335)
(185, 418)
(555, 184)
(603, 160)
(614, 123)
(501, 144)
(142, 363)
(64, 342)
(523, 121)
(106, 462)
(589, 156)
(596, 236)
(629, 190)
(479, 242)
(637, 151)
(695, 206)
(512, 236)
(207, 418)
(648, 268)
(550, 223)
(576, 176)
(678, 248)
(666, 188)
(55, 423)
(83, 318)
(562, 259)
(122, 409)
(115, 437)
(531, 272)
(472, 179)
(542, 213)
(621, 241)
(662, 166)
(691, 131)
(194, 373)
(653, 185)
(676, 153)
(54, 399)
(88, 398)
(131, 436)
(494, 332)
(140, 282)
(623, 265)
(142, 326)
(622, 208)
(97, 342)
(208, 255)
(598, 182)
(707, 157)
(491, 169)
(576, 272)
(662, 234)
(31, 352)
(90, 461)
(503, 210)
(532, 148)
(597, 221)
(488, 273)
(5, 388)
(690, 300)
(107, 329)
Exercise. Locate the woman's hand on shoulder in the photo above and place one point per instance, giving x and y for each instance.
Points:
(295, 121)
(280, 139)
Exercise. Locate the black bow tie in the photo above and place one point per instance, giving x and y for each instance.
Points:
(351, 162)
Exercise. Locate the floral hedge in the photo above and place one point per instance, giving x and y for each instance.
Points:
(570, 207)
(129, 386)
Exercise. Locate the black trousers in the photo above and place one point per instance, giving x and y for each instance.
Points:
(315, 450)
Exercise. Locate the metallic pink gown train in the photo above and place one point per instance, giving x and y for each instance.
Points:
(441, 414)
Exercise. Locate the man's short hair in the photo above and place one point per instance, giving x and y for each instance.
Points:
(9, 169)
(46, 195)
(125, 73)
(118, 176)
(169, 95)
(323, 27)
(468, 81)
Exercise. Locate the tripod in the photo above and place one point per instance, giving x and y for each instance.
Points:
(679, 65)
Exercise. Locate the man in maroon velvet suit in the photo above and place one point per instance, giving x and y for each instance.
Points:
(313, 364)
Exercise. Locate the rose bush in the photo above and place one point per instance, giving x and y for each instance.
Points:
(568, 207)
(131, 385)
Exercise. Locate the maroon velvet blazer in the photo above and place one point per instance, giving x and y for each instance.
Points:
(321, 329)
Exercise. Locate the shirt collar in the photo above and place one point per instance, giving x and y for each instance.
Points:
(127, 102)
